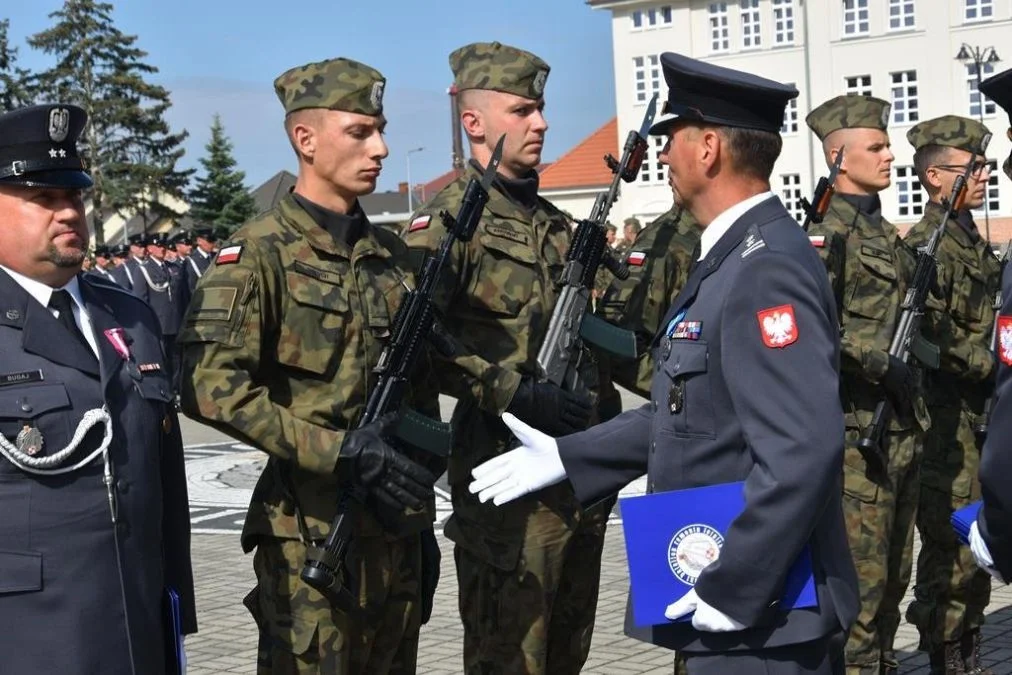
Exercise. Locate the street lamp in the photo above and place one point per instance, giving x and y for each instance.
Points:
(411, 208)
(979, 58)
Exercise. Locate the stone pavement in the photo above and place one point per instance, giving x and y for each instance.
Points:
(221, 474)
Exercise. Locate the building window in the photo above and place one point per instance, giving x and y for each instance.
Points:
(978, 10)
(653, 172)
(651, 18)
(790, 193)
(790, 125)
(904, 92)
(859, 84)
(750, 26)
(719, 40)
(901, 14)
(986, 70)
(855, 18)
(647, 76)
(783, 22)
(909, 193)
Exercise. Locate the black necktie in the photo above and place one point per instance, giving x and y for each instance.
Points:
(64, 305)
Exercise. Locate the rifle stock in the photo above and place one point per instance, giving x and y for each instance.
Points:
(815, 210)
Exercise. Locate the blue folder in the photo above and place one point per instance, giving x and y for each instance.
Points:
(963, 519)
(670, 537)
(172, 627)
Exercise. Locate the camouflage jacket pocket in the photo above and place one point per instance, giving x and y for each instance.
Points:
(969, 295)
(504, 279)
(874, 284)
(314, 323)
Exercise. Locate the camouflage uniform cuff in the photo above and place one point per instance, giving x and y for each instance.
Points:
(321, 451)
(876, 365)
(981, 367)
(506, 384)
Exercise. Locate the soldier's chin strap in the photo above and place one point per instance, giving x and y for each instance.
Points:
(49, 465)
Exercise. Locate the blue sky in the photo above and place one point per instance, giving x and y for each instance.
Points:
(222, 55)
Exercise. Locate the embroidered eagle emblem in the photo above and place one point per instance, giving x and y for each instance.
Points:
(1005, 339)
(778, 325)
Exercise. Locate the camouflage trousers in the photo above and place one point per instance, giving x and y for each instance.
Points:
(951, 593)
(537, 619)
(880, 528)
(303, 634)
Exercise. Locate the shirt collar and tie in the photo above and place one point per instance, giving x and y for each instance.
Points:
(58, 301)
(722, 223)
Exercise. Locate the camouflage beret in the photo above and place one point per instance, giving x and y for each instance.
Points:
(951, 131)
(851, 111)
(335, 84)
(490, 65)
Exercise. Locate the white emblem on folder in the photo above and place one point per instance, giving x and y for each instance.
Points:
(691, 549)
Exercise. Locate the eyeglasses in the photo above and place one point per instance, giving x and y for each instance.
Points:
(979, 167)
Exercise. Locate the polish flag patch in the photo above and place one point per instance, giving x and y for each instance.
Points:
(778, 326)
(419, 223)
(1004, 345)
(818, 241)
(636, 258)
(229, 254)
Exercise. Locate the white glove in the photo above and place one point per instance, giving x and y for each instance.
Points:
(511, 475)
(707, 617)
(982, 555)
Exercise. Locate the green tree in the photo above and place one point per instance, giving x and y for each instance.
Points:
(220, 198)
(127, 143)
(14, 81)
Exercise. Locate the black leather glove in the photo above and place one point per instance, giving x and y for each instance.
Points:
(430, 572)
(550, 409)
(393, 480)
(900, 384)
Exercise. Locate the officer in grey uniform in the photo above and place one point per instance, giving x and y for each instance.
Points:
(95, 524)
(127, 275)
(166, 292)
(745, 389)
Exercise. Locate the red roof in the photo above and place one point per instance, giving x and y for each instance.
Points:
(583, 166)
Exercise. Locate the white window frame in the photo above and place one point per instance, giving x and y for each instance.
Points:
(986, 71)
(751, 21)
(651, 17)
(653, 172)
(909, 195)
(790, 123)
(905, 17)
(791, 195)
(720, 32)
(856, 18)
(783, 22)
(978, 10)
(857, 84)
(906, 105)
(646, 71)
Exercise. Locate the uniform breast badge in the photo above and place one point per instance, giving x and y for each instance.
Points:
(29, 440)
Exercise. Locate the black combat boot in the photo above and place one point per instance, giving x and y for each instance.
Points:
(948, 660)
(970, 651)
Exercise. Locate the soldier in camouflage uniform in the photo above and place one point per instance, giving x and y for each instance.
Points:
(604, 276)
(869, 267)
(658, 263)
(528, 573)
(630, 230)
(951, 592)
(278, 343)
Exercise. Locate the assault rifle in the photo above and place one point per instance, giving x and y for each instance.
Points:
(906, 340)
(815, 210)
(414, 322)
(559, 356)
(981, 421)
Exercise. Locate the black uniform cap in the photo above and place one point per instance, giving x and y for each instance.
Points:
(999, 89)
(121, 251)
(702, 92)
(138, 240)
(38, 147)
(102, 251)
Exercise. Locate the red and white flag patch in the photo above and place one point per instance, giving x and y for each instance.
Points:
(229, 254)
(1004, 346)
(778, 326)
(419, 223)
(636, 258)
(818, 240)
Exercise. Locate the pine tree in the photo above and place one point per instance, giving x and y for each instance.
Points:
(127, 143)
(14, 87)
(220, 198)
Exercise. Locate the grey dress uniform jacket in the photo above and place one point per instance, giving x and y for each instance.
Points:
(754, 398)
(62, 606)
(164, 291)
(128, 275)
(995, 520)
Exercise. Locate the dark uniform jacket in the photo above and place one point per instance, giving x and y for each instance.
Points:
(194, 267)
(61, 602)
(995, 521)
(752, 396)
(166, 292)
(127, 275)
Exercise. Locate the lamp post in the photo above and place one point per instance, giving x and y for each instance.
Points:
(411, 208)
(979, 58)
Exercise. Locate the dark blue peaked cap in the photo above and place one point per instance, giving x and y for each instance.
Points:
(38, 147)
(998, 88)
(702, 92)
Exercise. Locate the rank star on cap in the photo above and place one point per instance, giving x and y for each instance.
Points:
(778, 326)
